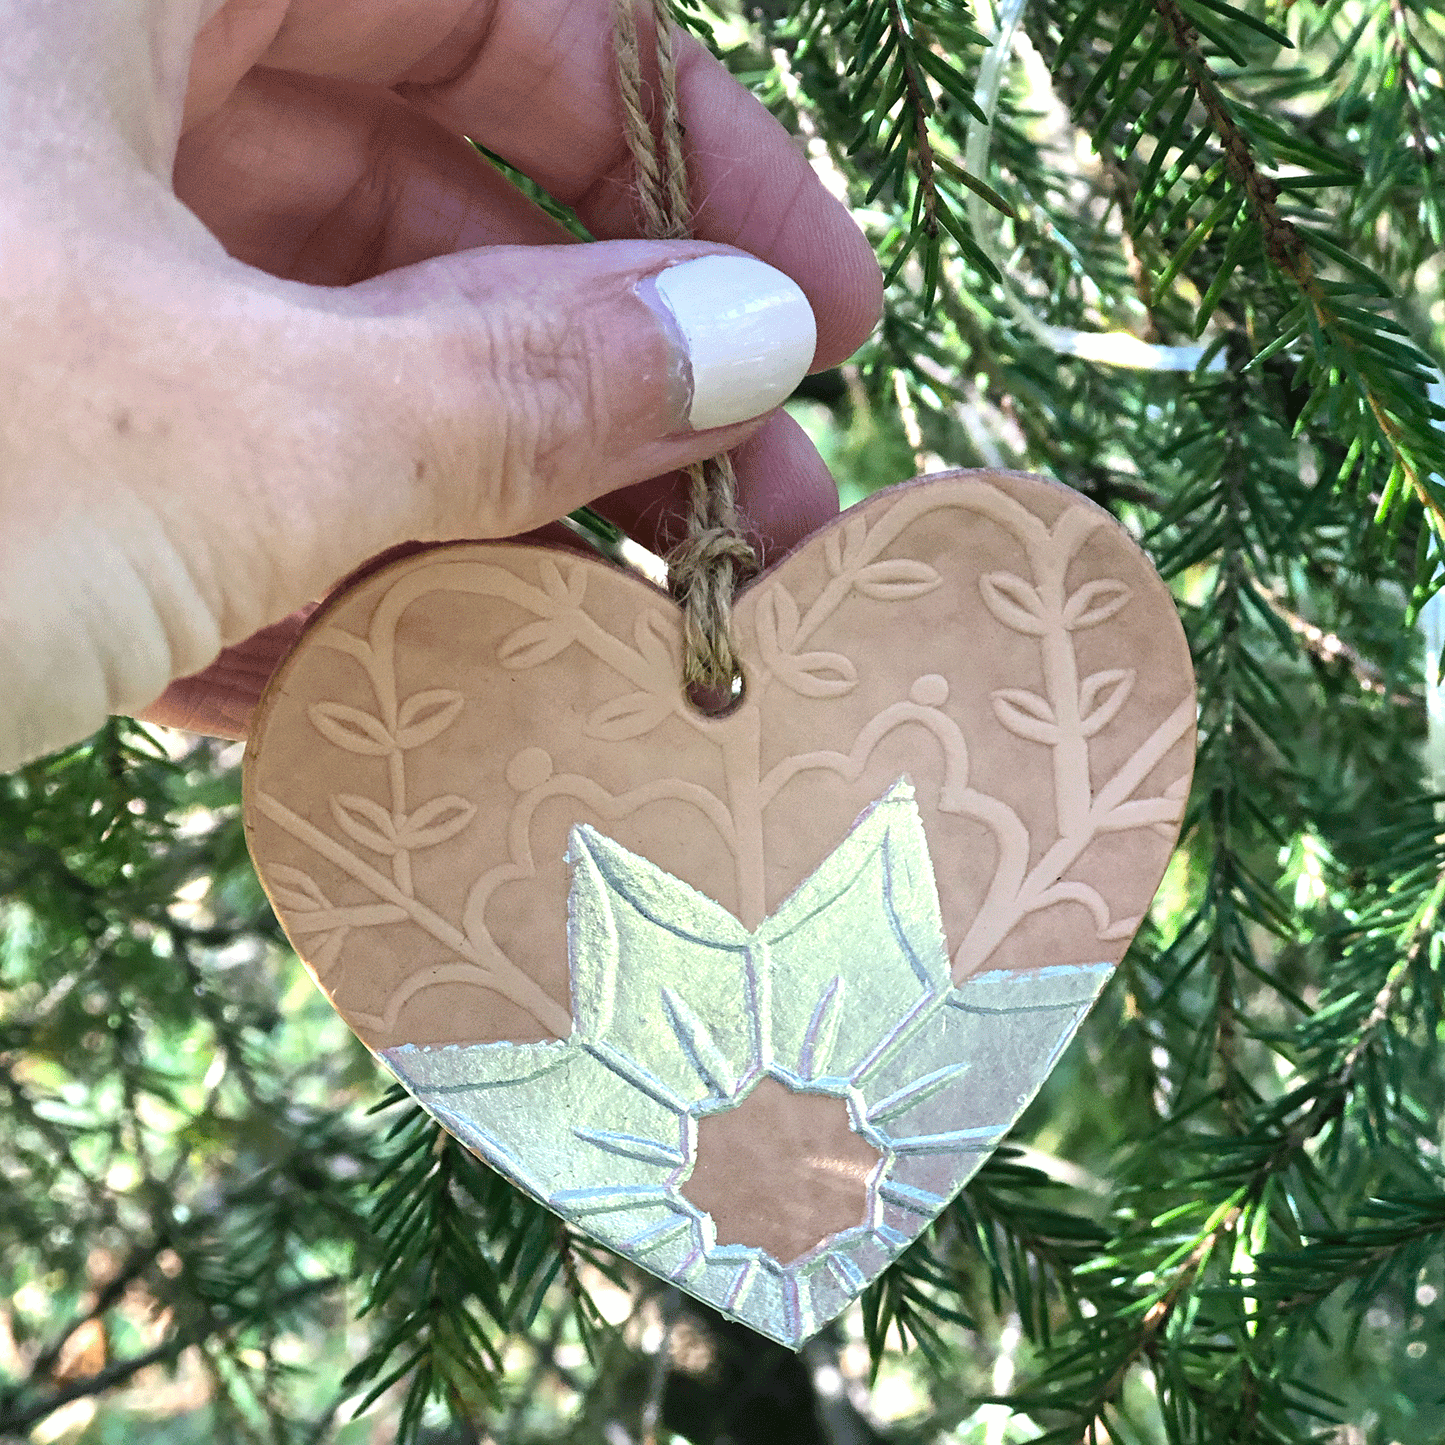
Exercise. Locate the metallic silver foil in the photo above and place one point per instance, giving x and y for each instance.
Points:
(678, 1012)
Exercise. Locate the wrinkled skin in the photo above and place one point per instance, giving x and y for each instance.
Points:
(270, 316)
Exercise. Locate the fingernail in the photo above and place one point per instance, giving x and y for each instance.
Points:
(745, 332)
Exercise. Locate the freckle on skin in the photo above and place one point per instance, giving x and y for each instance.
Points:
(121, 421)
(419, 471)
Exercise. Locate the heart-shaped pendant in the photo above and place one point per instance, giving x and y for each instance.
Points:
(746, 997)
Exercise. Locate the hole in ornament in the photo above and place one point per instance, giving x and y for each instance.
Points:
(717, 701)
(781, 1171)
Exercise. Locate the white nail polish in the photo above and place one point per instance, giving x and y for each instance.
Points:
(748, 331)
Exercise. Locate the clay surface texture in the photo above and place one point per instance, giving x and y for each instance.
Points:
(748, 998)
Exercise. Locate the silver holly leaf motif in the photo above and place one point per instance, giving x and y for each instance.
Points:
(680, 1012)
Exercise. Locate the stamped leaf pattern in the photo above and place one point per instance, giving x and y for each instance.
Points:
(313, 915)
(1062, 717)
(426, 715)
(1013, 601)
(629, 716)
(675, 1014)
(1026, 713)
(843, 544)
(352, 729)
(365, 820)
(897, 579)
(809, 674)
(435, 821)
(1101, 697)
(534, 644)
(1094, 602)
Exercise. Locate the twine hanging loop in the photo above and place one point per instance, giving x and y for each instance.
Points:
(707, 567)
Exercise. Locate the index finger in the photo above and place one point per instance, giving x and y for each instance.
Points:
(535, 82)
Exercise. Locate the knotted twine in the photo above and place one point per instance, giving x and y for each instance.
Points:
(705, 569)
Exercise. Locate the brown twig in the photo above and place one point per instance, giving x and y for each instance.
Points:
(920, 104)
(1327, 647)
(1410, 83)
(1157, 1316)
(213, 1323)
(1283, 244)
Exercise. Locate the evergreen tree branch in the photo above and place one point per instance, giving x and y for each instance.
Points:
(1290, 254)
(1283, 243)
(21, 1418)
(920, 102)
(1410, 83)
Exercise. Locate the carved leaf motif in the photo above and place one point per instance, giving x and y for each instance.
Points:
(897, 579)
(651, 642)
(1114, 685)
(1122, 928)
(817, 674)
(1026, 714)
(569, 589)
(328, 951)
(1013, 601)
(424, 715)
(534, 642)
(1095, 602)
(296, 890)
(350, 728)
(436, 821)
(365, 820)
(842, 544)
(777, 624)
(628, 716)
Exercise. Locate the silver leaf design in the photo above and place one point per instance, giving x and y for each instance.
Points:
(677, 1018)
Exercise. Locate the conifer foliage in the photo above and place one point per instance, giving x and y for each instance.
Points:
(1183, 255)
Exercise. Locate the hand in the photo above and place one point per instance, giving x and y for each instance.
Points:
(267, 315)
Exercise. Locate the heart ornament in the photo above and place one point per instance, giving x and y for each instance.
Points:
(746, 997)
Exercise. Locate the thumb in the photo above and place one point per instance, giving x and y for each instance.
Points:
(536, 378)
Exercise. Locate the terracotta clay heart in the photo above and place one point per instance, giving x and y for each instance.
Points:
(748, 998)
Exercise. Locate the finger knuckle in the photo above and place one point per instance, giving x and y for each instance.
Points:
(545, 411)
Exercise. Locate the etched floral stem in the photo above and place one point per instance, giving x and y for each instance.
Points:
(990, 928)
(401, 859)
(498, 973)
(1009, 514)
(1061, 686)
(742, 752)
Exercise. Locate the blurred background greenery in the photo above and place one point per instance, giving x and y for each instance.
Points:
(1185, 256)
